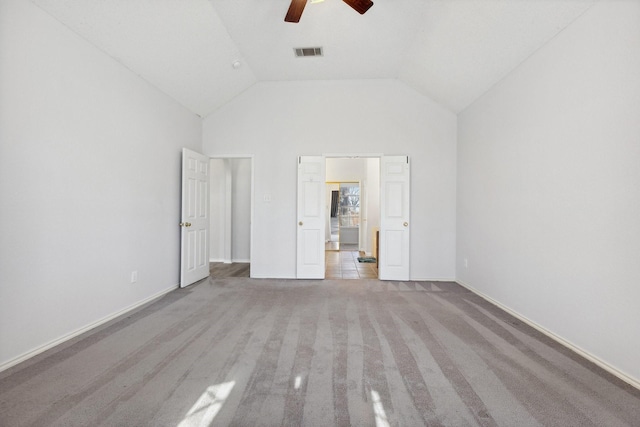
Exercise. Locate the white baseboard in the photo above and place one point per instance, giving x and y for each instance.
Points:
(240, 260)
(28, 355)
(601, 363)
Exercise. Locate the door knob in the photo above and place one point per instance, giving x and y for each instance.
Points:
(300, 223)
(188, 224)
(406, 224)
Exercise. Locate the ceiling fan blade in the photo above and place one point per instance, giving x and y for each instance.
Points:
(295, 10)
(360, 6)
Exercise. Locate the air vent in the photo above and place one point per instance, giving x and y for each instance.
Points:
(308, 51)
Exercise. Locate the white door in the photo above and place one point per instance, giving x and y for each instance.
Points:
(311, 215)
(194, 260)
(395, 227)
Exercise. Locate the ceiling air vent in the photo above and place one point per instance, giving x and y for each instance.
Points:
(308, 51)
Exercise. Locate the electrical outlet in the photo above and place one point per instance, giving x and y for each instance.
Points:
(134, 276)
(466, 263)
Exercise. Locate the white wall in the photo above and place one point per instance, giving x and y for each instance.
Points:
(340, 169)
(549, 187)
(89, 183)
(278, 121)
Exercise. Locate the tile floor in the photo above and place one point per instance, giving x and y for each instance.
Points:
(345, 265)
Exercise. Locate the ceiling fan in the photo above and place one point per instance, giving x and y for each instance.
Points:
(297, 6)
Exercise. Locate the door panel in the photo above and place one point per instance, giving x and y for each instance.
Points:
(395, 186)
(393, 201)
(393, 243)
(310, 235)
(194, 259)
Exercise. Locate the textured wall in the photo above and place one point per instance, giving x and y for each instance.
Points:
(276, 122)
(548, 200)
(89, 182)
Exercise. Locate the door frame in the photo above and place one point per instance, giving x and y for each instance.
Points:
(252, 198)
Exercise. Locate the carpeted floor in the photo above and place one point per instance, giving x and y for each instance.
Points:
(249, 352)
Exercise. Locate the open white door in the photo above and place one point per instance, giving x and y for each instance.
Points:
(394, 218)
(194, 258)
(311, 215)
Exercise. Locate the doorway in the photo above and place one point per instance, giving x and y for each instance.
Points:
(393, 216)
(231, 211)
(352, 217)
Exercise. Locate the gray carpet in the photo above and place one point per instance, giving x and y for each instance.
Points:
(249, 352)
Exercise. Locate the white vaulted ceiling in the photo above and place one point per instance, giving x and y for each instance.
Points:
(449, 50)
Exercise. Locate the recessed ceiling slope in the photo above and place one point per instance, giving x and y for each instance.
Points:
(369, 46)
(465, 47)
(181, 47)
(451, 51)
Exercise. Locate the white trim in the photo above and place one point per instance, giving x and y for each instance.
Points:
(28, 355)
(590, 357)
